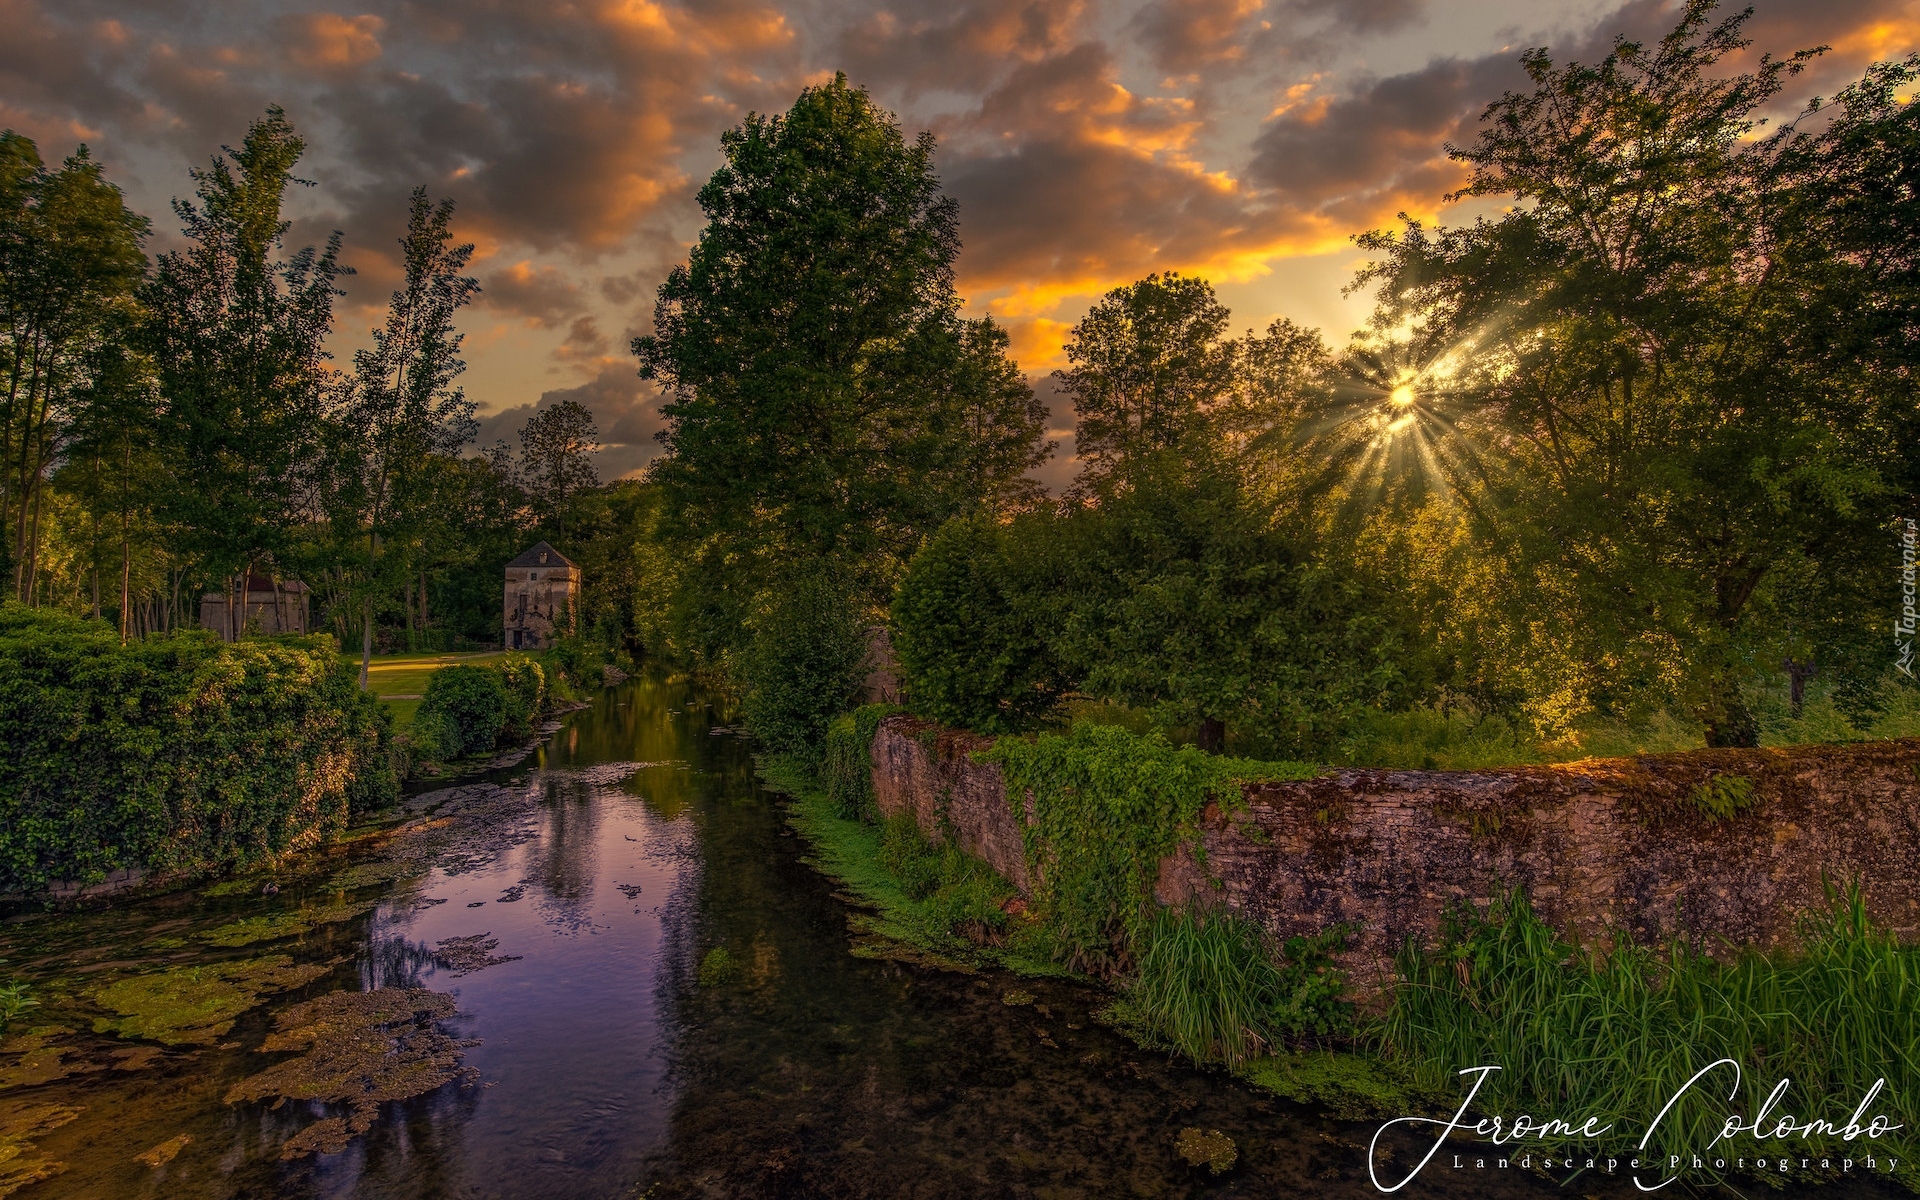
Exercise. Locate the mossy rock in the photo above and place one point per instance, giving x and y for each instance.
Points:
(196, 1004)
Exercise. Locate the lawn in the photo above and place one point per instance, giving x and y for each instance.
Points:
(400, 679)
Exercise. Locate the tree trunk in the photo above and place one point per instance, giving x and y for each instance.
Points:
(1213, 735)
(366, 639)
(1797, 675)
(1732, 725)
(423, 600)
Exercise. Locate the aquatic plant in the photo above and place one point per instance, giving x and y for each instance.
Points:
(289, 922)
(717, 968)
(1613, 1032)
(194, 1004)
(362, 1049)
(1108, 805)
(15, 1000)
(1207, 1148)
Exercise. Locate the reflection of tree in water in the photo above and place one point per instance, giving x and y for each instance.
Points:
(565, 858)
(394, 962)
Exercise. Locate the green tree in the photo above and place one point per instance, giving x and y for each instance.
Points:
(405, 409)
(557, 445)
(1629, 357)
(238, 338)
(70, 263)
(825, 399)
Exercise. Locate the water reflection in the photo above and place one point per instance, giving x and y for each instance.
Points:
(611, 1065)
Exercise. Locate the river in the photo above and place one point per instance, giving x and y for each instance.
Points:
(602, 1060)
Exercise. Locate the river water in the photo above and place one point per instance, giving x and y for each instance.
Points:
(604, 1064)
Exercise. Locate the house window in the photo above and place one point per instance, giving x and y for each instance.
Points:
(533, 576)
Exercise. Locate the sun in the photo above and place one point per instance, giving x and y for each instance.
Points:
(1402, 396)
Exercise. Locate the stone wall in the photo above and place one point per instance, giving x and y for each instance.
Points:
(1598, 846)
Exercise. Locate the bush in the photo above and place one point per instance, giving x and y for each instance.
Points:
(462, 713)
(526, 686)
(175, 753)
(803, 667)
(974, 623)
(847, 768)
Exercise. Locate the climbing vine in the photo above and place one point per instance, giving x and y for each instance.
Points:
(1108, 805)
(847, 766)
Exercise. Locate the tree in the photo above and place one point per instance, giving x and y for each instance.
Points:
(70, 262)
(1149, 365)
(405, 408)
(1633, 353)
(556, 463)
(825, 399)
(239, 341)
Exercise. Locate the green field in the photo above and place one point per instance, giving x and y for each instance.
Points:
(400, 679)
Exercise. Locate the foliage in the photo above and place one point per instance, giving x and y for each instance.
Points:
(1208, 984)
(1613, 1032)
(70, 263)
(826, 401)
(717, 968)
(1722, 796)
(463, 712)
(1668, 484)
(846, 767)
(15, 1002)
(555, 464)
(174, 753)
(526, 694)
(803, 667)
(1107, 807)
(976, 624)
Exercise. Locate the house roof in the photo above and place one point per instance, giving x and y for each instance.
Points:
(541, 555)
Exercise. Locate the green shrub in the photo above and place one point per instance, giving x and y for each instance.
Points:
(526, 686)
(846, 769)
(907, 856)
(462, 713)
(175, 753)
(803, 667)
(974, 623)
(1208, 985)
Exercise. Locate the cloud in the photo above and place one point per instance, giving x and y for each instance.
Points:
(330, 41)
(625, 409)
(544, 295)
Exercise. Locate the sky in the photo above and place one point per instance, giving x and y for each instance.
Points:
(1088, 144)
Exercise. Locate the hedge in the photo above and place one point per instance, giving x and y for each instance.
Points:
(174, 753)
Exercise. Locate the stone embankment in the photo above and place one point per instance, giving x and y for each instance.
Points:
(1627, 845)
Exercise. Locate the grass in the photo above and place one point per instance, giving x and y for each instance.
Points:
(1580, 1033)
(405, 675)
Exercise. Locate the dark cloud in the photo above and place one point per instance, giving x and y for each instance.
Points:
(625, 409)
(545, 296)
(913, 48)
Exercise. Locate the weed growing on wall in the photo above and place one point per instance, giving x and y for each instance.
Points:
(1108, 805)
(846, 770)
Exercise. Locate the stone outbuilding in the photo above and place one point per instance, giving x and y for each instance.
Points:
(542, 598)
(261, 607)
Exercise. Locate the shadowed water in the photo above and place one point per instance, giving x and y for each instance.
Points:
(605, 1066)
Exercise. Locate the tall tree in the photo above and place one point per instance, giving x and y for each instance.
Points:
(1634, 351)
(70, 261)
(556, 460)
(825, 399)
(406, 409)
(238, 337)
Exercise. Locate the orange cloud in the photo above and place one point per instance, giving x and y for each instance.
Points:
(332, 41)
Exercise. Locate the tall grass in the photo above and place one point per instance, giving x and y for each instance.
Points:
(1614, 1034)
(1208, 985)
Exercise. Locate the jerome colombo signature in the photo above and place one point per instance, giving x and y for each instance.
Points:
(1767, 1124)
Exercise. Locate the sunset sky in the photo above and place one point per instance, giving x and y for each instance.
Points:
(1088, 143)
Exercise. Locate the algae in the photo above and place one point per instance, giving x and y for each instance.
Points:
(287, 923)
(194, 1004)
(717, 968)
(1351, 1086)
(465, 955)
(19, 1125)
(165, 1152)
(362, 1049)
(1209, 1148)
(29, 1059)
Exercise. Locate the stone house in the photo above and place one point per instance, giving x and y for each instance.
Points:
(542, 598)
(261, 607)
